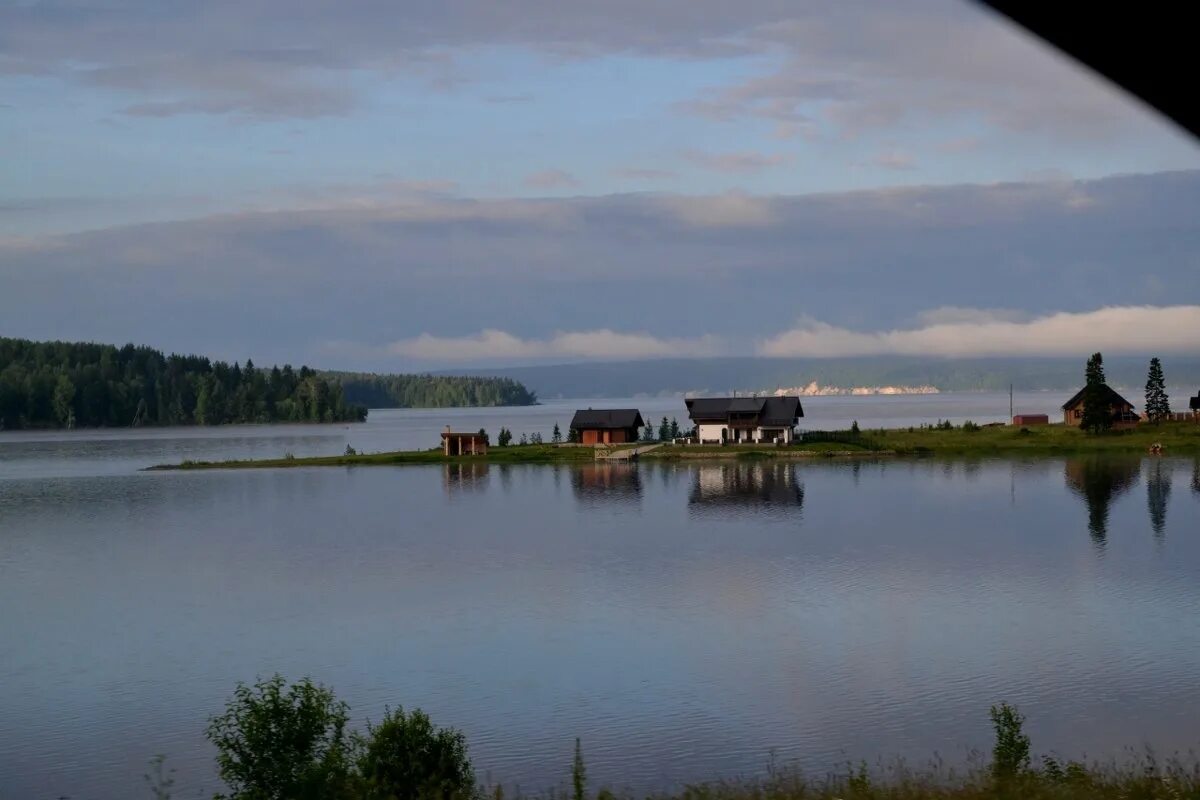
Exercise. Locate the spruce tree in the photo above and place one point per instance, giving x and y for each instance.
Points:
(674, 428)
(1158, 405)
(664, 430)
(556, 437)
(648, 433)
(1097, 415)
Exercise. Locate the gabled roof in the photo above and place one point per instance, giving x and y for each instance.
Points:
(1111, 398)
(771, 411)
(607, 418)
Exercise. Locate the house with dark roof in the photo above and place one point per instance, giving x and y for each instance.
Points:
(607, 425)
(1121, 409)
(731, 420)
(1194, 403)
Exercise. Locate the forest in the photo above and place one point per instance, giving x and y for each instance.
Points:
(78, 384)
(430, 391)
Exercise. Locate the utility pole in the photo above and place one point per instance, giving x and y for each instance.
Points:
(1010, 404)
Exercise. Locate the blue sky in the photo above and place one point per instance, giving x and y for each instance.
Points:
(460, 150)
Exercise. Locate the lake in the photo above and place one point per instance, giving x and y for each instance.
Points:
(687, 622)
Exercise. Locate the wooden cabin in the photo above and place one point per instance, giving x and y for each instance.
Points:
(732, 420)
(455, 443)
(1031, 419)
(1123, 415)
(607, 425)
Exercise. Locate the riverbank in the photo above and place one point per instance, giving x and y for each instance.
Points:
(1177, 438)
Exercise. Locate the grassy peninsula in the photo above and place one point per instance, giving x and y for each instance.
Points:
(1176, 438)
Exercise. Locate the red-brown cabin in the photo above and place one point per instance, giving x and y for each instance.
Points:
(607, 425)
(1031, 419)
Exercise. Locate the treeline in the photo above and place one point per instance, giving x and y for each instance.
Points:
(75, 384)
(430, 391)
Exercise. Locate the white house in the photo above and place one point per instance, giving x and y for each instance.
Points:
(722, 420)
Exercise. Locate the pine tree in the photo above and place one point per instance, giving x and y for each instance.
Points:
(524, 440)
(674, 428)
(648, 433)
(573, 435)
(1097, 415)
(556, 437)
(504, 437)
(1158, 405)
(664, 430)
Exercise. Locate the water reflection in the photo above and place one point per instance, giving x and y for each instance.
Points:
(1099, 481)
(464, 477)
(1158, 491)
(606, 480)
(746, 485)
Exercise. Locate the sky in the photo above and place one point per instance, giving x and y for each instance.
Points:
(438, 183)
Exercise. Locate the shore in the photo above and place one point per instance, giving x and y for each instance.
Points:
(1176, 438)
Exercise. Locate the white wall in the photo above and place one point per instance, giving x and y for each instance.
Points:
(711, 431)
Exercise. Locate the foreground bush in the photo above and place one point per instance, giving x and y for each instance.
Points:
(281, 742)
(405, 757)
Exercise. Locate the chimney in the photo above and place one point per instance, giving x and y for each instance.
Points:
(447, 429)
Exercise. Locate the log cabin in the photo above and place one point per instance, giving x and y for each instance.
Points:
(1123, 415)
(607, 425)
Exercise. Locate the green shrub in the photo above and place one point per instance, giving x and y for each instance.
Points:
(1010, 753)
(405, 757)
(970, 426)
(280, 742)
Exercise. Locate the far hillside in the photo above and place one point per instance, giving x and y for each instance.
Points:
(725, 375)
(430, 391)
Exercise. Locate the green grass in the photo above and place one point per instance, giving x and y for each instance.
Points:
(1177, 438)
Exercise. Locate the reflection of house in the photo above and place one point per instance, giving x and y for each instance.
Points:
(606, 480)
(745, 419)
(1099, 481)
(1121, 409)
(465, 476)
(746, 485)
(607, 425)
(463, 444)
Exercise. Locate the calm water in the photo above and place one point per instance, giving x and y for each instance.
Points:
(684, 621)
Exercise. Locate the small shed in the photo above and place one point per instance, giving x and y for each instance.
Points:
(1031, 419)
(455, 443)
(607, 425)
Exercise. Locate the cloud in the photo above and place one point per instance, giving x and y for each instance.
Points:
(551, 179)
(837, 68)
(602, 344)
(895, 159)
(644, 173)
(737, 162)
(1113, 329)
(387, 262)
(961, 144)
(852, 68)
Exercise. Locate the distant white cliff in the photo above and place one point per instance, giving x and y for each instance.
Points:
(814, 389)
